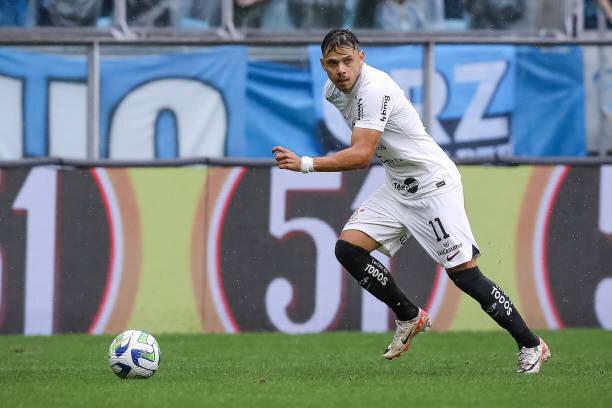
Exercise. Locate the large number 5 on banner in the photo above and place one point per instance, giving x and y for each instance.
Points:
(328, 286)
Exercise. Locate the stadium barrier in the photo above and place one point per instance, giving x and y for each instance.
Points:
(101, 102)
(218, 246)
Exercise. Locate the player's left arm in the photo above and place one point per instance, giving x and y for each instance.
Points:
(357, 156)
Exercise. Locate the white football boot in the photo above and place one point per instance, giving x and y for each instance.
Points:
(530, 360)
(405, 331)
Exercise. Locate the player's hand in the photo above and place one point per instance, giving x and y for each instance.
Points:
(286, 159)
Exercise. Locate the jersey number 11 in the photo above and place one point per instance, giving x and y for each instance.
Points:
(433, 226)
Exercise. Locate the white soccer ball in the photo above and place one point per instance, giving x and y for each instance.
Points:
(134, 354)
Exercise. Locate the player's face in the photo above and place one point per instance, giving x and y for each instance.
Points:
(343, 66)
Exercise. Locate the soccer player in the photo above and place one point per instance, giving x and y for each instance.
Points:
(422, 197)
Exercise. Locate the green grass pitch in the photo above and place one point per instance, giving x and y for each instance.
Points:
(462, 369)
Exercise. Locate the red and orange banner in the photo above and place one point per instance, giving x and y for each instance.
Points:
(232, 249)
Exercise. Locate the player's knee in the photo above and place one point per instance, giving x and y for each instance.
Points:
(345, 251)
(461, 267)
(462, 276)
(342, 250)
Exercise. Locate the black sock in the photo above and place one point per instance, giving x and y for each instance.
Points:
(375, 278)
(496, 303)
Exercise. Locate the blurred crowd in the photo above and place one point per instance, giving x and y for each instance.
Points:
(388, 15)
(101, 13)
(286, 15)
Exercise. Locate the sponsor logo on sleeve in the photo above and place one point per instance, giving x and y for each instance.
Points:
(383, 108)
(360, 109)
(440, 184)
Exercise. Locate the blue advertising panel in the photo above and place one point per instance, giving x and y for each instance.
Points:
(488, 101)
(151, 106)
(193, 102)
(25, 83)
(280, 111)
(550, 109)
(474, 99)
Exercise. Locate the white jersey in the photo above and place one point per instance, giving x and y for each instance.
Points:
(414, 164)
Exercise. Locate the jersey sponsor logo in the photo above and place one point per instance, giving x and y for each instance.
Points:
(412, 185)
(440, 184)
(364, 283)
(376, 274)
(390, 162)
(383, 108)
(450, 258)
(447, 251)
(360, 109)
(409, 186)
(503, 299)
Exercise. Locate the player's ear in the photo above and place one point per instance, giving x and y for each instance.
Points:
(322, 63)
(361, 56)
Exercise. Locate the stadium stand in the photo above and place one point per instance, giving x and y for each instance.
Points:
(13, 13)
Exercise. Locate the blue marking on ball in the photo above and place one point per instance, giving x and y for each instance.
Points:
(120, 350)
(135, 357)
(124, 369)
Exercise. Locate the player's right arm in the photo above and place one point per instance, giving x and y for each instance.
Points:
(357, 156)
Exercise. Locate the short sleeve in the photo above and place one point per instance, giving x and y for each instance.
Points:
(374, 105)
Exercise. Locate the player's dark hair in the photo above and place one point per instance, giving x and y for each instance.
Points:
(339, 37)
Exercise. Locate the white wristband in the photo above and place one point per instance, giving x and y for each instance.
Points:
(306, 164)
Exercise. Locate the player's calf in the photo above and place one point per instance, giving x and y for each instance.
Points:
(495, 303)
(375, 278)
